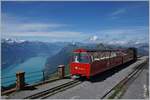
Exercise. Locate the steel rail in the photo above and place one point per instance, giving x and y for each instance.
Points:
(126, 79)
(53, 90)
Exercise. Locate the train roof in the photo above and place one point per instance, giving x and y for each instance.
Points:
(96, 50)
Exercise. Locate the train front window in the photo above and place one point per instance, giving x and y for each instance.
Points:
(81, 58)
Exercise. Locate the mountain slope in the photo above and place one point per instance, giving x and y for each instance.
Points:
(64, 56)
(17, 52)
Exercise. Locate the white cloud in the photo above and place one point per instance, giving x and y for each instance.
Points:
(120, 42)
(13, 27)
(13, 24)
(116, 14)
(94, 38)
(29, 27)
(124, 35)
(134, 30)
(118, 11)
(54, 34)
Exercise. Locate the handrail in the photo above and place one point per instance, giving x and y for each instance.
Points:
(7, 77)
(30, 77)
(34, 80)
(34, 72)
(10, 81)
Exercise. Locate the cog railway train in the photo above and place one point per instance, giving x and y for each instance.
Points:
(87, 63)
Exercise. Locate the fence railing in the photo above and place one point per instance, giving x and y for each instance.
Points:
(39, 76)
(32, 77)
(8, 82)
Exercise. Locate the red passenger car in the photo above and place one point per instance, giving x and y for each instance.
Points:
(88, 63)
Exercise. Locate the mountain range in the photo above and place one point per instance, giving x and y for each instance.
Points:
(64, 56)
(15, 52)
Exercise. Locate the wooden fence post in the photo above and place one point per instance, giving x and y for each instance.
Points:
(61, 71)
(20, 82)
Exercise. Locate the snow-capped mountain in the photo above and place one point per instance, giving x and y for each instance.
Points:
(93, 39)
(9, 40)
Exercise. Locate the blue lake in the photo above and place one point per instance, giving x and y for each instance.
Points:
(33, 64)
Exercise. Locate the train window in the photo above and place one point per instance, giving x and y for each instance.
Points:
(101, 55)
(81, 57)
(96, 56)
(113, 54)
(84, 58)
(105, 55)
(76, 57)
(119, 53)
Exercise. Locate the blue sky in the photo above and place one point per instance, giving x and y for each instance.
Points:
(113, 22)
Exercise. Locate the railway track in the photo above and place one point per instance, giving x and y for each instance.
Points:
(49, 92)
(123, 82)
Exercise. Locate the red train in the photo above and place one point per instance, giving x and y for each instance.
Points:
(88, 63)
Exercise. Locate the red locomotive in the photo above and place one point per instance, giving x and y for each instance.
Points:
(88, 63)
